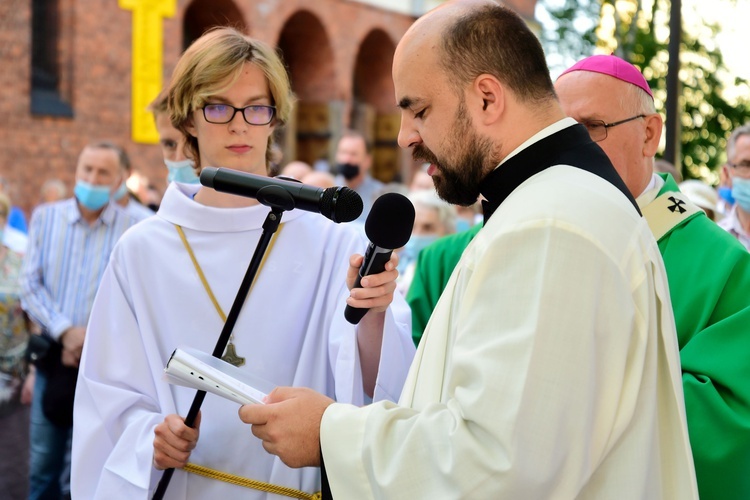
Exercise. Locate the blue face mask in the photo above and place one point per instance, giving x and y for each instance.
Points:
(121, 192)
(462, 225)
(412, 248)
(417, 243)
(741, 192)
(725, 193)
(90, 196)
(181, 171)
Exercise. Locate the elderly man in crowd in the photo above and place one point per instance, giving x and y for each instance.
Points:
(737, 172)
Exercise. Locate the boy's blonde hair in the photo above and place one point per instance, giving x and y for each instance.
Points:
(211, 65)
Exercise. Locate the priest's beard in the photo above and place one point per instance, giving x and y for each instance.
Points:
(461, 170)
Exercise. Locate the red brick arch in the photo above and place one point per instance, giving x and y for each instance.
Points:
(100, 72)
(307, 52)
(306, 48)
(201, 15)
(372, 71)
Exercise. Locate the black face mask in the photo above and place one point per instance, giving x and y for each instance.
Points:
(348, 170)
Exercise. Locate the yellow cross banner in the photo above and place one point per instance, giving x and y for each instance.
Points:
(147, 65)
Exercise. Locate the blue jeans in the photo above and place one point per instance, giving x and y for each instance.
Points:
(49, 465)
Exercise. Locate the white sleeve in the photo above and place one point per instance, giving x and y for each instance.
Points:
(117, 404)
(397, 348)
(397, 351)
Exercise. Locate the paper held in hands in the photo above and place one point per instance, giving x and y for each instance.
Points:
(196, 369)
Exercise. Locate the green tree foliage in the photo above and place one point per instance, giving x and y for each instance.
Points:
(641, 37)
(573, 36)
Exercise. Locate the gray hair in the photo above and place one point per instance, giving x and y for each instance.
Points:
(122, 155)
(446, 212)
(56, 185)
(732, 141)
(637, 101)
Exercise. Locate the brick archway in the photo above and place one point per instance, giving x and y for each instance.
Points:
(373, 110)
(306, 48)
(201, 15)
(372, 71)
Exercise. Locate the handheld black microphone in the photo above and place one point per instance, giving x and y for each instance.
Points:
(340, 204)
(388, 226)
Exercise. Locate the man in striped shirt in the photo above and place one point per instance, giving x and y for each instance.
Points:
(69, 246)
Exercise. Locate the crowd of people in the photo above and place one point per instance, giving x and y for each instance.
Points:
(569, 319)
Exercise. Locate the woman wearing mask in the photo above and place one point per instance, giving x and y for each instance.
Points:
(433, 219)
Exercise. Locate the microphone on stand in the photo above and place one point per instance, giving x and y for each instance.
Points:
(388, 226)
(340, 204)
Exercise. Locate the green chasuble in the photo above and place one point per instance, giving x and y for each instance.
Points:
(434, 267)
(708, 272)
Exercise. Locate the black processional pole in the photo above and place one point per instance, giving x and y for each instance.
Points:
(271, 224)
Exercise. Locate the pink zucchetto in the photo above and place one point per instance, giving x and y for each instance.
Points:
(612, 66)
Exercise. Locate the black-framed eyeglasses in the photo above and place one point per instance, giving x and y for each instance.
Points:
(254, 114)
(598, 129)
(742, 168)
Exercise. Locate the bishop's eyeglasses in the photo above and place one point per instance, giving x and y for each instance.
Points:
(224, 113)
(598, 129)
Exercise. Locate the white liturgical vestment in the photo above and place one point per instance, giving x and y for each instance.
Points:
(549, 368)
(291, 331)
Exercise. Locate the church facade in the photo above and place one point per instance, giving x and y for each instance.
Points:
(76, 71)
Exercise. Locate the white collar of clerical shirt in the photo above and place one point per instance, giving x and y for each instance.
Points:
(565, 142)
(651, 192)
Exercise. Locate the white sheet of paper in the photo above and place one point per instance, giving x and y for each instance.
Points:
(192, 368)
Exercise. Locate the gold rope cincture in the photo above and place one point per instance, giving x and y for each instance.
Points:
(251, 483)
(230, 355)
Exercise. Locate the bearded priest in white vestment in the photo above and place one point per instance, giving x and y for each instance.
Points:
(549, 368)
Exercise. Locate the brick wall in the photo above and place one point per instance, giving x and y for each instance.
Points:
(95, 80)
(95, 45)
(97, 34)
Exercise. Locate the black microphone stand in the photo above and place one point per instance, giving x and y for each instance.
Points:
(270, 225)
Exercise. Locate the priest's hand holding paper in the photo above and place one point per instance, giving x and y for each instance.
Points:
(289, 424)
(173, 442)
